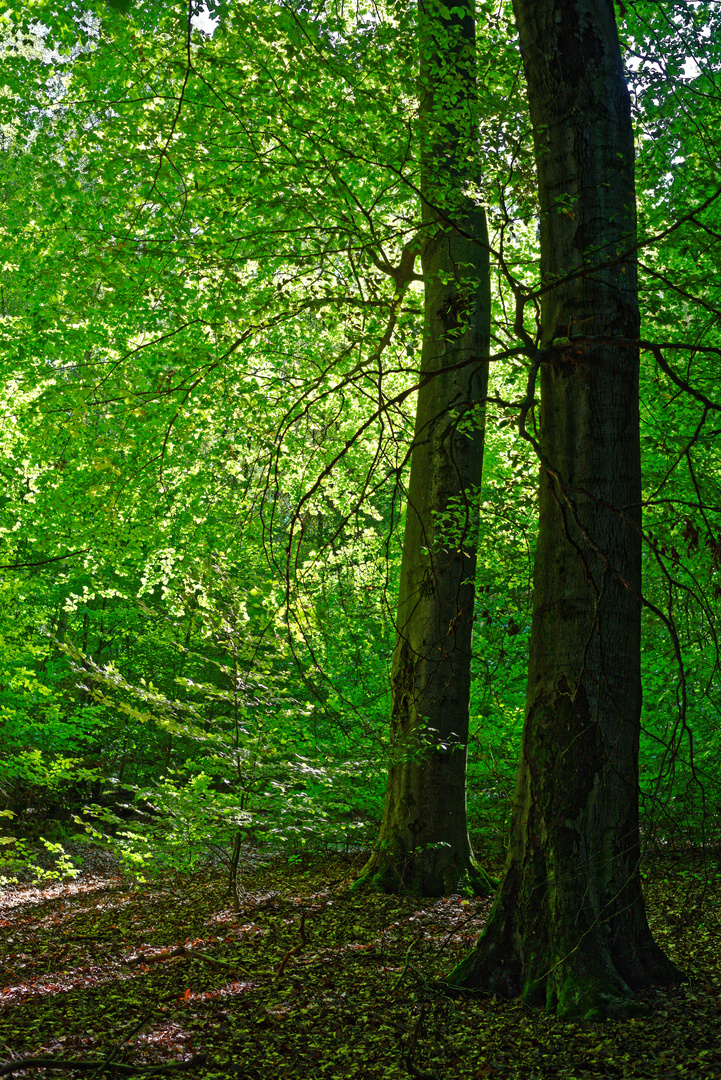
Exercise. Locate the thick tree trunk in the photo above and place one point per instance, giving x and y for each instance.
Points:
(423, 845)
(568, 929)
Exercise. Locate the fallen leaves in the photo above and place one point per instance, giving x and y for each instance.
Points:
(307, 982)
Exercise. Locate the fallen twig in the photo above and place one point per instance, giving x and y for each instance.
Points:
(295, 949)
(412, 1068)
(181, 950)
(400, 978)
(83, 1066)
(114, 1049)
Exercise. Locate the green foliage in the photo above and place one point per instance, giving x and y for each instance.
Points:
(20, 859)
(252, 758)
(208, 380)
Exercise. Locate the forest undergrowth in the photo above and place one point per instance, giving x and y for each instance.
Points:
(106, 978)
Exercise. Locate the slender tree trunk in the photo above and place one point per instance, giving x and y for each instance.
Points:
(568, 929)
(423, 845)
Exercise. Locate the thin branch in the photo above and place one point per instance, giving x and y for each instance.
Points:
(85, 1066)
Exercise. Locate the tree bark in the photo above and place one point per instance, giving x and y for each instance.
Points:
(568, 929)
(423, 845)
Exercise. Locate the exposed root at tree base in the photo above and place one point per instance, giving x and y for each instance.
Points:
(582, 984)
(410, 877)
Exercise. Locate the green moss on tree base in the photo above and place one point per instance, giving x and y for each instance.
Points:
(409, 877)
(475, 881)
(572, 979)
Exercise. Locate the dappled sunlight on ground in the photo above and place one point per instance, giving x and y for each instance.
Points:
(20, 896)
(309, 981)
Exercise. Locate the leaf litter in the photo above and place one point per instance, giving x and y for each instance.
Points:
(104, 978)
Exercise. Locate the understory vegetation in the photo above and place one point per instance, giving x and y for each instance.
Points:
(213, 326)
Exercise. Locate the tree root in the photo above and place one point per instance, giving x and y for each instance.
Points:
(383, 874)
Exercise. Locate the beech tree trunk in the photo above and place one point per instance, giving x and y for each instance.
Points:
(568, 929)
(423, 845)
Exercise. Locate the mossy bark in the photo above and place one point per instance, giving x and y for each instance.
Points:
(568, 930)
(423, 845)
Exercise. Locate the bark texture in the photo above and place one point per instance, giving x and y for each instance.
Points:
(423, 845)
(568, 929)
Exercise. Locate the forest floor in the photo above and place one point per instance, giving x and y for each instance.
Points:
(105, 979)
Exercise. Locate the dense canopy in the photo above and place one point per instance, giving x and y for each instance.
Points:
(301, 305)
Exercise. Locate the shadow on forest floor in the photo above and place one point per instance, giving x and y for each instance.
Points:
(110, 980)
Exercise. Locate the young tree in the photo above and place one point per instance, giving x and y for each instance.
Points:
(423, 845)
(569, 928)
